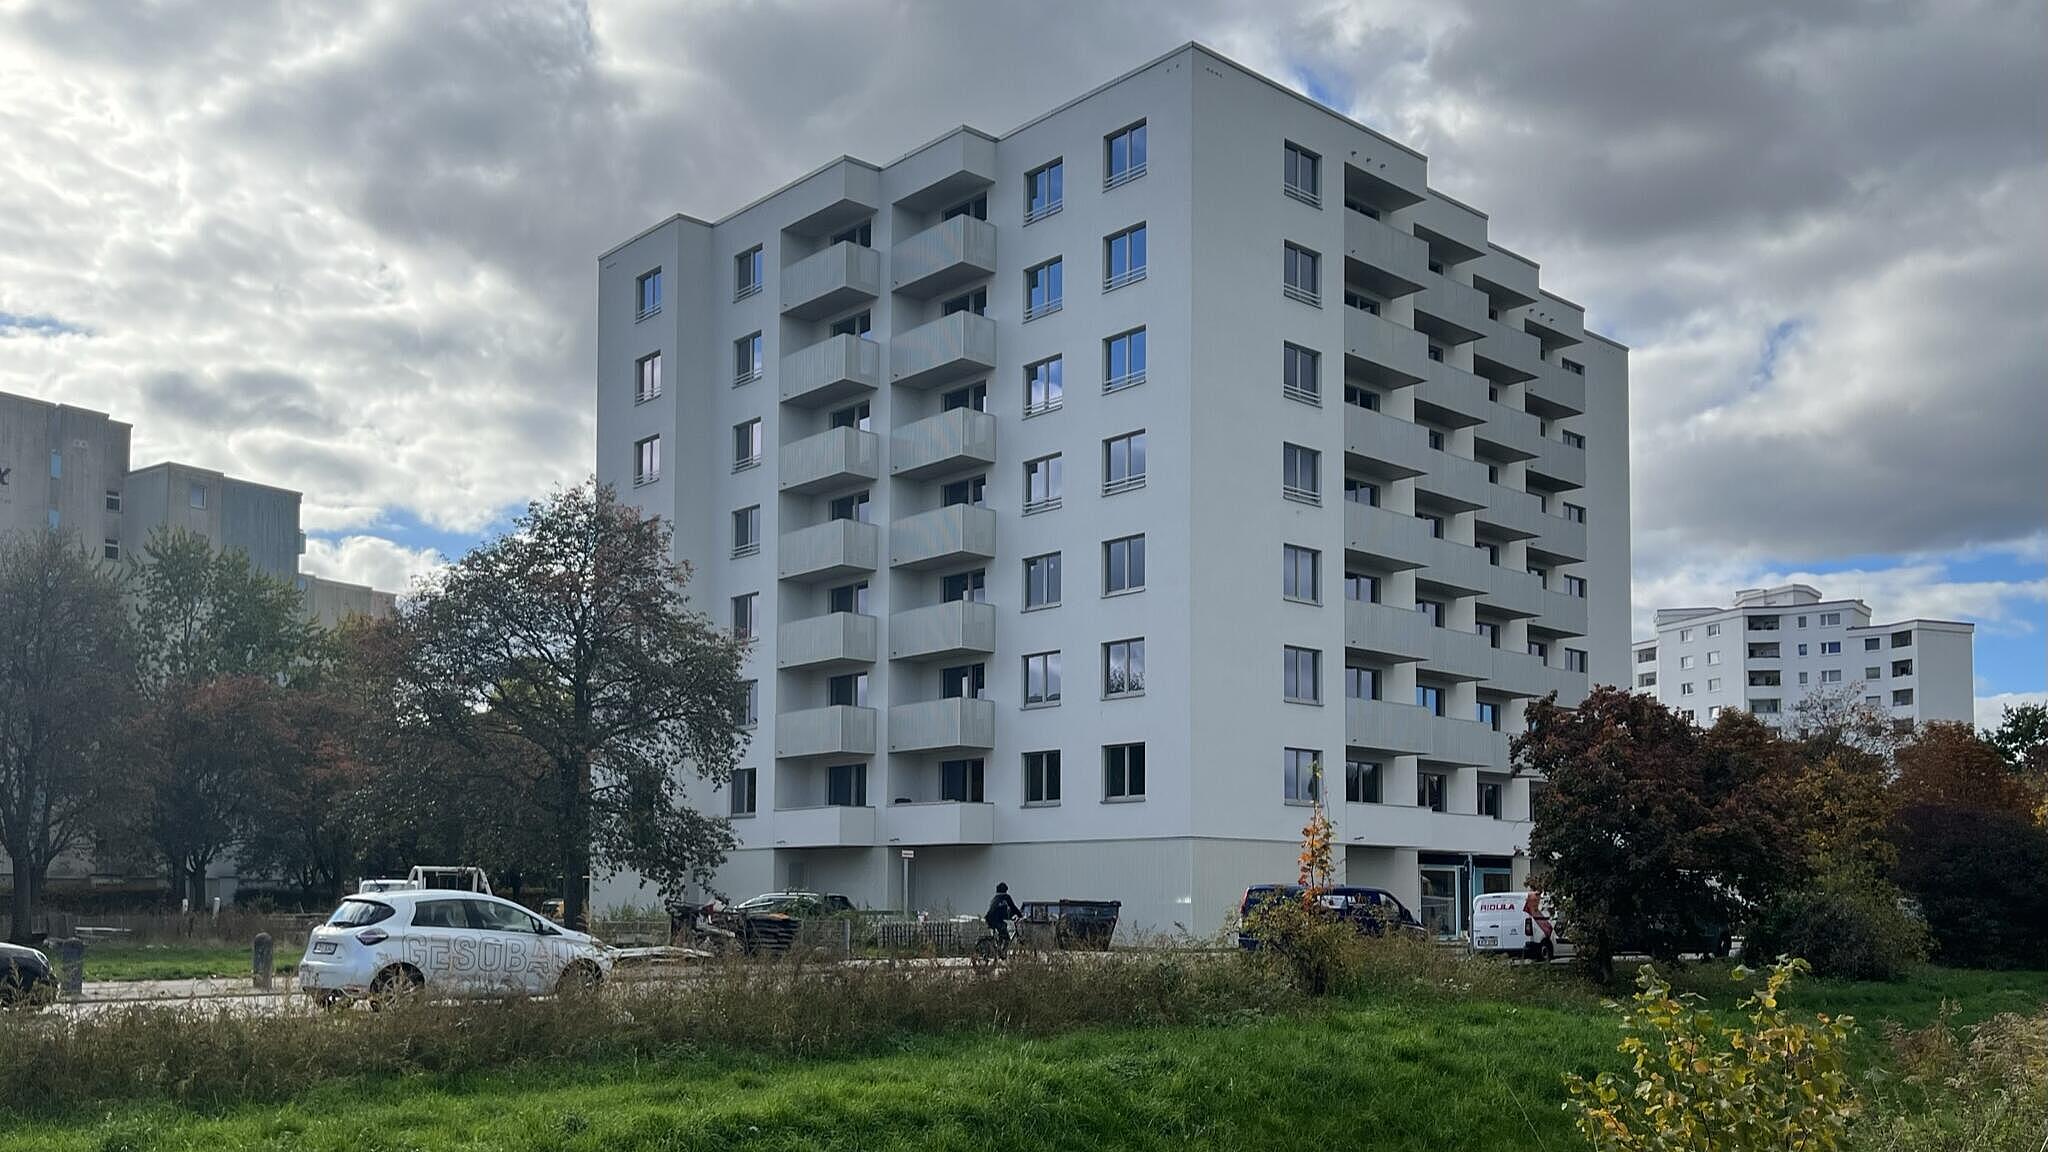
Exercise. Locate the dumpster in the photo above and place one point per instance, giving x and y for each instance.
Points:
(1069, 925)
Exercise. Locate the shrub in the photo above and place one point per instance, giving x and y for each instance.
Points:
(1778, 1085)
(1847, 927)
(1316, 949)
(1977, 874)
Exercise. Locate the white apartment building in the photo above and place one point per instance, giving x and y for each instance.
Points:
(1100, 494)
(1776, 645)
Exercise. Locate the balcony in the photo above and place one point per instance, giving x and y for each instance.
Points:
(1562, 541)
(1555, 392)
(1453, 396)
(1451, 312)
(841, 276)
(959, 438)
(947, 349)
(948, 255)
(1400, 541)
(955, 533)
(946, 631)
(834, 458)
(1506, 356)
(1563, 614)
(1555, 322)
(826, 826)
(949, 725)
(832, 642)
(1407, 826)
(1512, 432)
(1516, 515)
(1559, 466)
(1382, 351)
(835, 730)
(840, 194)
(940, 822)
(1523, 674)
(1466, 742)
(830, 551)
(1379, 725)
(1381, 630)
(1400, 447)
(831, 370)
(945, 171)
(1516, 592)
(1383, 258)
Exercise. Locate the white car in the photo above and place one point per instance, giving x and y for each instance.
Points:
(1517, 923)
(445, 942)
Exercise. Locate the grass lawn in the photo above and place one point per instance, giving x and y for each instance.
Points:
(1379, 1073)
(128, 960)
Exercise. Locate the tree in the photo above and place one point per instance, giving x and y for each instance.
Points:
(1829, 720)
(1753, 838)
(1844, 807)
(220, 642)
(1981, 877)
(571, 638)
(2022, 736)
(67, 659)
(1948, 765)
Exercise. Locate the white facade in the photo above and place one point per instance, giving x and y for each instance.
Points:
(902, 444)
(1776, 645)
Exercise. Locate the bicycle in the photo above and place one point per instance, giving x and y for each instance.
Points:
(989, 951)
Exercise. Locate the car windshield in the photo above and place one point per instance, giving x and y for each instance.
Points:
(356, 913)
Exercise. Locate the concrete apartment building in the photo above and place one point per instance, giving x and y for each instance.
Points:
(1099, 493)
(1774, 646)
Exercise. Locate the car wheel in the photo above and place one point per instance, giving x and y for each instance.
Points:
(395, 985)
(579, 977)
(327, 999)
(1548, 952)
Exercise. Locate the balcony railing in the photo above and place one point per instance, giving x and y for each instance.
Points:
(1131, 276)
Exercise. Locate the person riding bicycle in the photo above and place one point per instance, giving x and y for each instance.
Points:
(1002, 910)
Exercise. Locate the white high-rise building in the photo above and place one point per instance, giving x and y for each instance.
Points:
(1099, 494)
(1776, 645)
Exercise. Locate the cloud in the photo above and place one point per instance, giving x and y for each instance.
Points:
(370, 560)
(1918, 588)
(1991, 709)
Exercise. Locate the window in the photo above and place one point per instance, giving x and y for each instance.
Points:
(1361, 491)
(1802, 649)
(1123, 156)
(1899, 668)
(55, 519)
(1042, 484)
(1646, 655)
(1301, 573)
(1576, 513)
(1123, 258)
(972, 397)
(1573, 440)
(858, 416)
(859, 325)
(647, 460)
(1436, 439)
(1043, 388)
(975, 301)
(1042, 581)
(750, 704)
(1432, 791)
(1300, 778)
(1301, 675)
(848, 598)
(1803, 676)
(1361, 781)
(1831, 619)
(1712, 629)
(1686, 662)
(1574, 367)
(746, 273)
(110, 548)
(964, 682)
(1870, 643)
(746, 445)
(1435, 522)
(1902, 639)
(646, 377)
(1123, 564)
(1360, 397)
(855, 506)
(1360, 301)
(1489, 798)
(1361, 683)
(1042, 777)
(1685, 689)
(195, 496)
(648, 291)
(1540, 650)
(1301, 275)
(743, 789)
(743, 614)
(1429, 698)
(1488, 631)
(1646, 679)
(1301, 175)
(1575, 586)
(846, 786)
(1123, 463)
(1713, 658)
(975, 207)
(1432, 610)
(1488, 713)
(1362, 587)
(1123, 360)
(1123, 667)
(1901, 697)
(1802, 621)
(1831, 647)
(1713, 712)
(114, 505)
(1043, 289)
(746, 359)
(1713, 684)
(861, 234)
(848, 691)
(1301, 374)
(1831, 676)
(1041, 679)
(1044, 194)
(970, 586)
(746, 531)
(1123, 771)
(1873, 672)
(1301, 474)
(971, 491)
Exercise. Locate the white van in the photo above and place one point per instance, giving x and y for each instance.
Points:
(1518, 923)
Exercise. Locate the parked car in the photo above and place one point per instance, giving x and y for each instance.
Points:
(1519, 923)
(26, 976)
(771, 921)
(445, 942)
(1373, 911)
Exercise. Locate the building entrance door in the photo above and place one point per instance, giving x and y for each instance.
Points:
(1441, 912)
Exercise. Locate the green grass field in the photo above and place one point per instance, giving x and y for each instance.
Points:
(124, 960)
(1380, 1073)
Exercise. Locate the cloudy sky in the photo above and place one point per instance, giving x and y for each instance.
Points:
(352, 251)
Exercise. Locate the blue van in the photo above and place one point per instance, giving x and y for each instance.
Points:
(1373, 911)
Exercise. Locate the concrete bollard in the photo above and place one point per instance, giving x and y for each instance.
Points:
(263, 960)
(70, 964)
